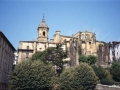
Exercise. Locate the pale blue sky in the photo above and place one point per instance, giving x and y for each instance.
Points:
(19, 19)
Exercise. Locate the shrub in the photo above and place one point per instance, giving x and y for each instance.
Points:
(107, 81)
(115, 71)
(81, 77)
(37, 56)
(31, 76)
(90, 59)
(100, 72)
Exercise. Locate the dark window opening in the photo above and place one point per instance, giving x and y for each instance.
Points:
(43, 33)
(45, 46)
(27, 47)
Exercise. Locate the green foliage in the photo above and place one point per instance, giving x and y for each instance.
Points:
(104, 75)
(81, 77)
(37, 56)
(66, 80)
(90, 59)
(100, 72)
(115, 71)
(83, 58)
(55, 55)
(107, 81)
(31, 76)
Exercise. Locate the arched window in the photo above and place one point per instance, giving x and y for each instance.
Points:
(83, 37)
(44, 33)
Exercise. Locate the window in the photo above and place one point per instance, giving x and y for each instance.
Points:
(83, 37)
(45, 46)
(43, 33)
(27, 55)
(90, 44)
(27, 47)
(117, 46)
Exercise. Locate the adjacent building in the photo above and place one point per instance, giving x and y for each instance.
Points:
(115, 51)
(81, 43)
(6, 60)
(15, 61)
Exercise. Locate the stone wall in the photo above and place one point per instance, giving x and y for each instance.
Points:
(106, 87)
(103, 54)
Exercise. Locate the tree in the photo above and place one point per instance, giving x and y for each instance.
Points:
(115, 71)
(81, 77)
(31, 76)
(100, 72)
(90, 59)
(37, 56)
(55, 55)
(83, 58)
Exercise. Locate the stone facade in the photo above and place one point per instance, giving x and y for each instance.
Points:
(6, 60)
(80, 43)
(43, 31)
(103, 53)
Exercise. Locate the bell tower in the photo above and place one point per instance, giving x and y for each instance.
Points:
(43, 31)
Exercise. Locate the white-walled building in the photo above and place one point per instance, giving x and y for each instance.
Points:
(15, 58)
(115, 51)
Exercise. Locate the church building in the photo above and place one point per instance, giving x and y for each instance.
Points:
(84, 42)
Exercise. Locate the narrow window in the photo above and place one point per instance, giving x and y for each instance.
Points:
(45, 46)
(83, 37)
(43, 33)
(27, 55)
(27, 47)
(90, 43)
